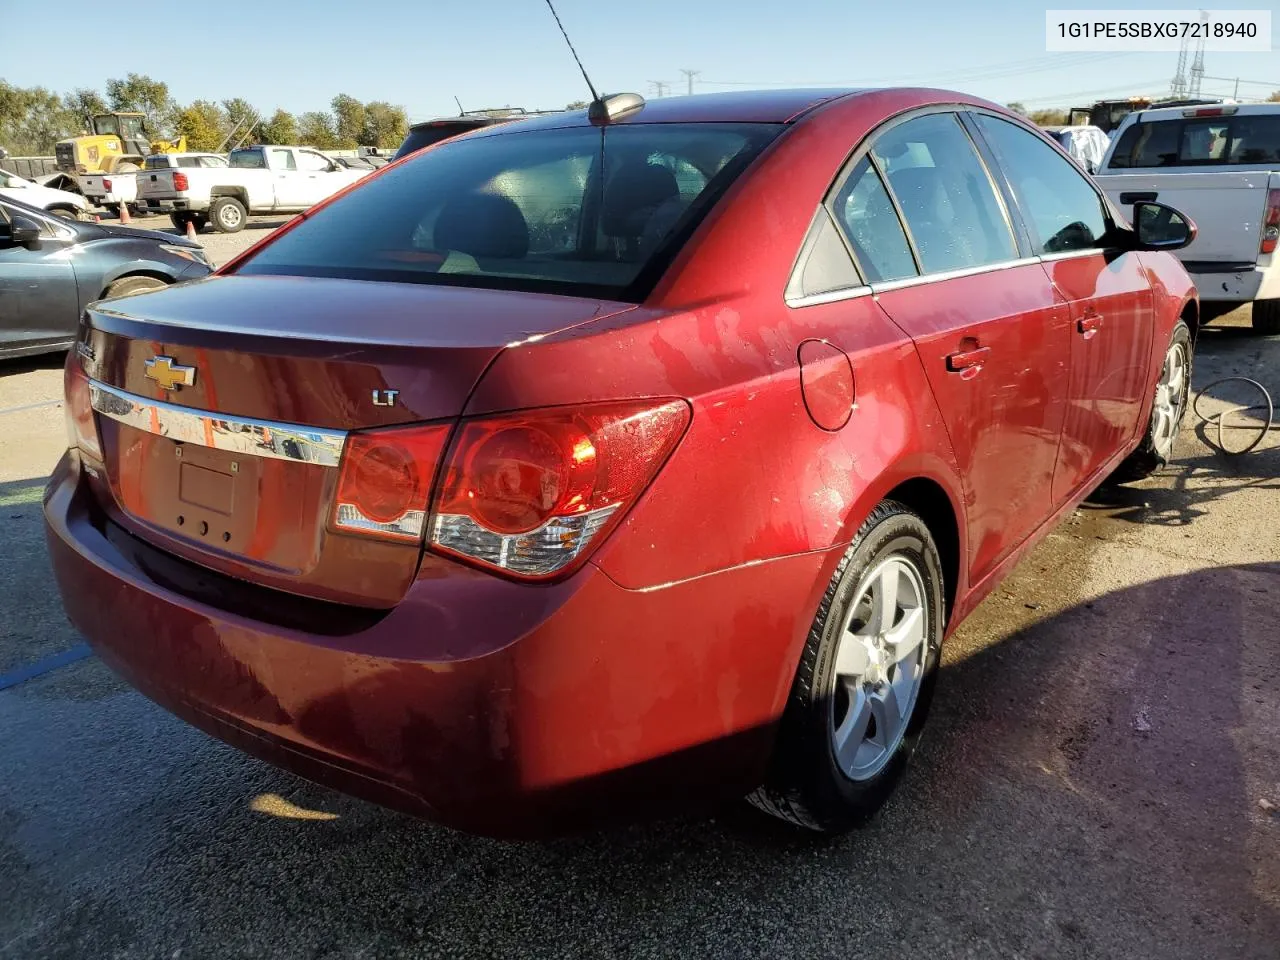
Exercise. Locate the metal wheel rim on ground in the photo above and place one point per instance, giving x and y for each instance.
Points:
(879, 667)
(1170, 398)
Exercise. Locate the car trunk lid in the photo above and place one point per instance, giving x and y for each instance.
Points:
(223, 408)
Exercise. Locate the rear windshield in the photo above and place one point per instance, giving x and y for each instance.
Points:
(1200, 141)
(582, 210)
(426, 135)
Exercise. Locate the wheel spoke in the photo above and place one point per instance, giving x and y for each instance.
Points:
(887, 709)
(1175, 379)
(851, 658)
(884, 599)
(853, 729)
(907, 635)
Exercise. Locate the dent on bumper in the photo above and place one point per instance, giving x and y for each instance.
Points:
(493, 707)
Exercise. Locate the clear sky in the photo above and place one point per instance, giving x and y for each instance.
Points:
(423, 53)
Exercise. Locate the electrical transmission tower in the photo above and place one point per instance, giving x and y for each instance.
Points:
(660, 87)
(689, 75)
(1197, 69)
(1178, 88)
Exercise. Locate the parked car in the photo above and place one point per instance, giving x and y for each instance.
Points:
(429, 132)
(513, 489)
(255, 180)
(60, 203)
(1087, 145)
(111, 190)
(52, 268)
(1221, 165)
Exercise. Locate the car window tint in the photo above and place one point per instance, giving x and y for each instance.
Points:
(188, 161)
(946, 196)
(1178, 142)
(283, 160)
(1064, 211)
(248, 159)
(865, 213)
(157, 162)
(555, 210)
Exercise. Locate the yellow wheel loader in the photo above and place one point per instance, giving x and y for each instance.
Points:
(118, 144)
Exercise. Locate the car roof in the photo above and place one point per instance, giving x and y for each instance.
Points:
(748, 106)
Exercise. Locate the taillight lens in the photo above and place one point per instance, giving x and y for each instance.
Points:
(528, 493)
(106, 184)
(179, 181)
(384, 486)
(1271, 223)
(82, 430)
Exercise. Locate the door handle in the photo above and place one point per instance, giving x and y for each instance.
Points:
(968, 363)
(1090, 324)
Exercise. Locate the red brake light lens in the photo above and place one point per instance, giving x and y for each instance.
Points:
(106, 184)
(528, 493)
(384, 486)
(179, 180)
(1271, 223)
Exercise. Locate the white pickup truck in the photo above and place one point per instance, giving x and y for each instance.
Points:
(1220, 165)
(263, 179)
(111, 190)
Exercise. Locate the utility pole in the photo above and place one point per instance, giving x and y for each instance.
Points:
(689, 75)
(660, 87)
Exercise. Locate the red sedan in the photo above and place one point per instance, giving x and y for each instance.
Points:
(601, 466)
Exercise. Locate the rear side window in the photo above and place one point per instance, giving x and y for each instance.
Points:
(947, 198)
(865, 212)
(1063, 210)
(574, 210)
(188, 161)
(1200, 141)
(212, 162)
(248, 159)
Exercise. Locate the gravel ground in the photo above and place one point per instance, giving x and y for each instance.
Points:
(1100, 779)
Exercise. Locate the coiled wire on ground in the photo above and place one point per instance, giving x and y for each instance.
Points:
(1220, 417)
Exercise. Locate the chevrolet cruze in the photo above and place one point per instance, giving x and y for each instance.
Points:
(617, 462)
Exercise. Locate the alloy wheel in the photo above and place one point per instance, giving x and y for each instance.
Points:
(1171, 398)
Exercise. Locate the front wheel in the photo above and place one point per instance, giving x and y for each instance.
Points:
(865, 680)
(228, 215)
(1266, 317)
(131, 285)
(1167, 410)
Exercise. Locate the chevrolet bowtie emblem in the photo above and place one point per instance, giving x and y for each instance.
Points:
(169, 374)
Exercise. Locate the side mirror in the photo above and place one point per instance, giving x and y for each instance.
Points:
(1161, 227)
(20, 232)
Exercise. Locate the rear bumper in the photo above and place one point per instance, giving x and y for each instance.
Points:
(492, 707)
(1239, 283)
(168, 204)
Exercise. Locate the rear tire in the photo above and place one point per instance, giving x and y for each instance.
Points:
(1266, 317)
(128, 286)
(228, 215)
(841, 746)
(65, 213)
(1168, 408)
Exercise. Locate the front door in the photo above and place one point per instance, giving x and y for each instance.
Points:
(39, 303)
(290, 194)
(1108, 294)
(993, 336)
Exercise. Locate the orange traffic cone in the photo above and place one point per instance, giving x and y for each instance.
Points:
(191, 230)
(124, 213)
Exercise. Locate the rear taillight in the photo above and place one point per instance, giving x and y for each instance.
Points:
(384, 487)
(82, 431)
(1271, 223)
(179, 181)
(528, 493)
(106, 184)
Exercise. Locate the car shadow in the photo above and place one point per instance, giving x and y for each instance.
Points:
(1087, 788)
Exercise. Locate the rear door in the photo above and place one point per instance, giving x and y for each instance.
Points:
(289, 185)
(1107, 289)
(39, 302)
(993, 336)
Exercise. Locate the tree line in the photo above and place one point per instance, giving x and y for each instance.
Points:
(33, 119)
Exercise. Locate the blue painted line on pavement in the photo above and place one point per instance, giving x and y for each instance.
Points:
(33, 670)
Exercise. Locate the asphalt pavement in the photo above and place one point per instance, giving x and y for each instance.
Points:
(1100, 779)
